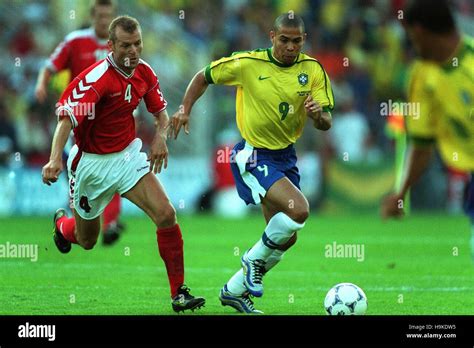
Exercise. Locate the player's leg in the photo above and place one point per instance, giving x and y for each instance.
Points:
(93, 182)
(149, 195)
(292, 211)
(268, 212)
(282, 206)
(255, 173)
(75, 230)
(285, 209)
(110, 225)
(236, 284)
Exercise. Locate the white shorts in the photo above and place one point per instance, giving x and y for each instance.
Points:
(98, 177)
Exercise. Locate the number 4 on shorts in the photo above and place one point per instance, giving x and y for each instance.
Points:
(263, 169)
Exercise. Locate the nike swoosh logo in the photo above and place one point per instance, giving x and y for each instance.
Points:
(263, 78)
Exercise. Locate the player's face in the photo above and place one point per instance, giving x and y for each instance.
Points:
(127, 48)
(287, 44)
(421, 40)
(101, 20)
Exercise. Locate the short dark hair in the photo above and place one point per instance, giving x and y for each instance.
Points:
(102, 3)
(435, 16)
(127, 23)
(289, 20)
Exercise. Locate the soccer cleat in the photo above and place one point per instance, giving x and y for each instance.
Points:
(253, 274)
(184, 300)
(111, 234)
(63, 245)
(241, 303)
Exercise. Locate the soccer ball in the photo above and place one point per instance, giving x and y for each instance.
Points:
(345, 299)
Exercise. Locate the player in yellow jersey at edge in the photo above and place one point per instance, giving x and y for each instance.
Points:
(442, 83)
(278, 90)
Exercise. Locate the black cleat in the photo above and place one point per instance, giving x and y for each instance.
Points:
(111, 234)
(184, 300)
(63, 245)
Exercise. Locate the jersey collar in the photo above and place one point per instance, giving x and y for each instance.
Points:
(278, 63)
(111, 60)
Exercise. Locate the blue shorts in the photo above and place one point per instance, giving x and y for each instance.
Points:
(256, 170)
(469, 199)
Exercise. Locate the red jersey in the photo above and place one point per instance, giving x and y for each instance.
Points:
(79, 50)
(100, 102)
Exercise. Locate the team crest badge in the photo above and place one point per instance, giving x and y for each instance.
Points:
(303, 79)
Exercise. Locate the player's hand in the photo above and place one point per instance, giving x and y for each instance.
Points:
(392, 206)
(41, 93)
(179, 120)
(313, 109)
(51, 171)
(158, 156)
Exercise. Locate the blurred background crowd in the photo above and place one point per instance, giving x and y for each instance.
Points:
(360, 43)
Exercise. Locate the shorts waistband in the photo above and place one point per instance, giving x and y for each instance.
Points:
(280, 152)
(114, 154)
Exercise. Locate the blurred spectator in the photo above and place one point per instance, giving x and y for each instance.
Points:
(350, 136)
(457, 183)
(34, 136)
(22, 42)
(359, 43)
(222, 197)
(8, 140)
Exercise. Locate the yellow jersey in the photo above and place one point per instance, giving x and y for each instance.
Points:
(445, 95)
(270, 96)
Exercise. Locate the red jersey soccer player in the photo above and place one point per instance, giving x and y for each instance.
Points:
(106, 159)
(79, 50)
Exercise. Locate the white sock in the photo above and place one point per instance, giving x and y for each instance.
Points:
(279, 230)
(236, 284)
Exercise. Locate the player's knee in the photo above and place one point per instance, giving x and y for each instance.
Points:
(87, 243)
(166, 217)
(300, 215)
(87, 236)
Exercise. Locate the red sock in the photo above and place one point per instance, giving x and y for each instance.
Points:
(67, 227)
(170, 245)
(111, 212)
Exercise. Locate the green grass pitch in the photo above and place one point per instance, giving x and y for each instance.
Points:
(420, 265)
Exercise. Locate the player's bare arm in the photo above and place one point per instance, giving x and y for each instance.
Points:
(158, 156)
(41, 89)
(54, 167)
(417, 162)
(322, 120)
(195, 90)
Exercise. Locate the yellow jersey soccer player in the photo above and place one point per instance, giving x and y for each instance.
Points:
(278, 89)
(442, 83)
